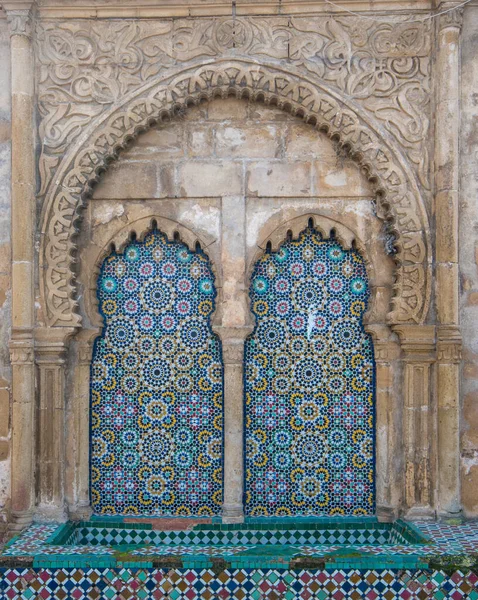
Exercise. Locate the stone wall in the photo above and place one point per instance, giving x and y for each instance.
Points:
(233, 147)
(5, 262)
(469, 261)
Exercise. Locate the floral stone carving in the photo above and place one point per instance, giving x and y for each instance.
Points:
(398, 195)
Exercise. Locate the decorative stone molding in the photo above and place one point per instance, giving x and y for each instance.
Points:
(398, 196)
(452, 19)
(87, 66)
(449, 344)
(21, 352)
(20, 22)
(325, 225)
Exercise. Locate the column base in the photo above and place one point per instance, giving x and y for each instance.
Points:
(19, 520)
(447, 515)
(80, 513)
(386, 514)
(232, 513)
(420, 513)
(47, 512)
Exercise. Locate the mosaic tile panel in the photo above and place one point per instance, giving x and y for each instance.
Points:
(157, 381)
(232, 584)
(309, 383)
(99, 534)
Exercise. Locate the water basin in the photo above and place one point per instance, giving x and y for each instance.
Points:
(334, 532)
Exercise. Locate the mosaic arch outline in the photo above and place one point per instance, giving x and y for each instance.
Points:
(309, 450)
(156, 384)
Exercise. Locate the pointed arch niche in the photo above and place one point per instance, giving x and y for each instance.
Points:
(393, 239)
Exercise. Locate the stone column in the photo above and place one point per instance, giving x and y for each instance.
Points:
(388, 462)
(418, 348)
(233, 325)
(23, 184)
(51, 347)
(78, 430)
(233, 356)
(447, 123)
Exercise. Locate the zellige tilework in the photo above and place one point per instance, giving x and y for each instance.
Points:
(309, 383)
(157, 380)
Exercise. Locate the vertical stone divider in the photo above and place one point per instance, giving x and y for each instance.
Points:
(447, 131)
(387, 422)
(51, 346)
(23, 184)
(233, 323)
(418, 351)
(77, 482)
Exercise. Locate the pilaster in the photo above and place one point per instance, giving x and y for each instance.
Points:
(388, 464)
(418, 354)
(78, 429)
(447, 123)
(233, 323)
(51, 345)
(23, 185)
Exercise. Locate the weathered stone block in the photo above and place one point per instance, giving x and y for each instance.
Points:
(278, 179)
(4, 412)
(342, 179)
(231, 109)
(209, 178)
(200, 141)
(250, 142)
(128, 180)
(4, 449)
(304, 141)
(167, 141)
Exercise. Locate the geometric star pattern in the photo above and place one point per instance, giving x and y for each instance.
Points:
(157, 381)
(309, 383)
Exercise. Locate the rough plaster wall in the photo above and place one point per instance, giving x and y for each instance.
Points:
(5, 257)
(469, 260)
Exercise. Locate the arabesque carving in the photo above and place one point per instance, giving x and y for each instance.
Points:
(85, 67)
(398, 196)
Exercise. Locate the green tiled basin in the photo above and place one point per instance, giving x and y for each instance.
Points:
(253, 532)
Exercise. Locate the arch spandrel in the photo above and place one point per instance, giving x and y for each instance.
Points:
(91, 260)
(398, 197)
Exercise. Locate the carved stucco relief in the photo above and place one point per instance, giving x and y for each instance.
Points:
(399, 198)
(86, 67)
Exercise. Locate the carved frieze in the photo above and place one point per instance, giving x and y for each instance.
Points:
(400, 200)
(85, 67)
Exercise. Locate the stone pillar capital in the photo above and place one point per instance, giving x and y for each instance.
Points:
(449, 345)
(51, 344)
(21, 348)
(417, 341)
(385, 344)
(452, 17)
(232, 339)
(85, 340)
(19, 17)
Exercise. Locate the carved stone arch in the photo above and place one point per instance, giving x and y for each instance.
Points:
(90, 265)
(380, 280)
(398, 197)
